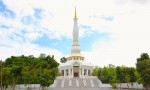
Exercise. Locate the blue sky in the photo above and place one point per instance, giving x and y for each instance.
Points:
(5, 12)
(64, 43)
(108, 29)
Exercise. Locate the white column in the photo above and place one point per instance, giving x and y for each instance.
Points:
(72, 73)
(87, 72)
(79, 72)
(64, 72)
(82, 71)
(69, 72)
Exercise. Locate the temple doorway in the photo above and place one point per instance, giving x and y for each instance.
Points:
(76, 71)
(76, 74)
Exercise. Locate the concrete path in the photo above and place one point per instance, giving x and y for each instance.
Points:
(102, 88)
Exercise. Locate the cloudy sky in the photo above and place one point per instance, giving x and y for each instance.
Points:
(111, 31)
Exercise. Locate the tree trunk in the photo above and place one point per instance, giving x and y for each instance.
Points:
(14, 83)
(120, 86)
(14, 86)
(132, 85)
(42, 88)
(128, 85)
(147, 87)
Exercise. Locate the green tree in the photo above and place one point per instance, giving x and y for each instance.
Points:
(6, 77)
(63, 60)
(105, 74)
(133, 75)
(143, 56)
(114, 75)
(42, 55)
(119, 75)
(16, 73)
(30, 70)
(143, 67)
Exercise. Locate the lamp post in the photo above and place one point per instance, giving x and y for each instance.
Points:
(1, 75)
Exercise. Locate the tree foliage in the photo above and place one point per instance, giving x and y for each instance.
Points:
(29, 70)
(113, 75)
(105, 74)
(63, 60)
(143, 67)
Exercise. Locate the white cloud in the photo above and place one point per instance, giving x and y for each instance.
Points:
(130, 28)
(130, 35)
(28, 49)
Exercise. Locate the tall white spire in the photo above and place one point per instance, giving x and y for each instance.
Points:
(75, 29)
(75, 47)
(75, 14)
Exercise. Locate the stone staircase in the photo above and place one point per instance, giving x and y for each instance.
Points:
(66, 84)
(73, 83)
(86, 82)
(81, 82)
(58, 84)
(95, 81)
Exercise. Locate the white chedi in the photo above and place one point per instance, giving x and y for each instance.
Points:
(75, 65)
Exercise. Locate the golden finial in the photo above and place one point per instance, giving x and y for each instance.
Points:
(75, 14)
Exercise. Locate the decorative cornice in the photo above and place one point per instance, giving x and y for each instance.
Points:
(75, 57)
(75, 45)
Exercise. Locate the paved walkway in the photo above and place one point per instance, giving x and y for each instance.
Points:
(102, 88)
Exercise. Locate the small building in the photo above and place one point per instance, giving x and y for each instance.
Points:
(75, 65)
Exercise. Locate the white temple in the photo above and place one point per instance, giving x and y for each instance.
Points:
(75, 65)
